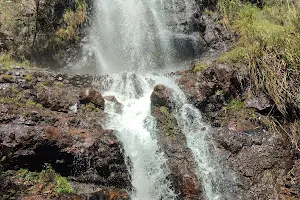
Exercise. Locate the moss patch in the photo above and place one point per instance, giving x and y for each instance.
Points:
(90, 107)
(7, 62)
(15, 98)
(200, 66)
(234, 105)
(169, 124)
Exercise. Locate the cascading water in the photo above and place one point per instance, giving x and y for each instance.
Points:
(134, 38)
(136, 129)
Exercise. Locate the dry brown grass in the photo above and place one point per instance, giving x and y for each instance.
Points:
(267, 49)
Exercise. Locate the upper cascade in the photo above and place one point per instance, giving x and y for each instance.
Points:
(140, 35)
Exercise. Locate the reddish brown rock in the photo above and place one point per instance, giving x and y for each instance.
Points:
(103, 194)
(36, 127)
(89, 95)
(161, 96)
(210, 88)
(57, 99)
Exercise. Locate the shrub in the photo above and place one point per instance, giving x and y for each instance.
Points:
(62, 185)
(44, 181)
(7, 61)
(72, 20)
(234, 105)
(31, 103)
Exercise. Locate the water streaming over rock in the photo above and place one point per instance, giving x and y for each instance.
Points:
(131, 39)
(136, 129)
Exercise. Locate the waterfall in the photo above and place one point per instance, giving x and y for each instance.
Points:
(136, 42)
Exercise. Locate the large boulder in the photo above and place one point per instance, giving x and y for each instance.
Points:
(89, 95)
(246, 139)
(209, 88)
(161, 96)
(173, 142)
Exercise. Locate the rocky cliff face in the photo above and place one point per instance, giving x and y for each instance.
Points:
(196, 28)
(49, 33)
(262, 159)
(57, 119)
(45, 32)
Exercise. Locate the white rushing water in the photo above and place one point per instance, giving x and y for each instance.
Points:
(136, 129)
(130, 41)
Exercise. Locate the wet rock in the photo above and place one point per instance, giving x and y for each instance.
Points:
(74, 144)
(161, 96)
(173, 142)
(57, 99)
(103, 194)
(259, 160)
(53, 197)
(210, 88)
(109, 195)
(117, 105)
(89, 95)
(88, 155)
(292, 182)
(259, 102)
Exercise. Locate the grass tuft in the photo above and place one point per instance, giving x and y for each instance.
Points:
(267, 48)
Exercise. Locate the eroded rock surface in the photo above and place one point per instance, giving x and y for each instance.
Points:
(209, 88)
(37, 126)
(173, 142)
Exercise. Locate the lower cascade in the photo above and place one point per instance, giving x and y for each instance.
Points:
(130, 115)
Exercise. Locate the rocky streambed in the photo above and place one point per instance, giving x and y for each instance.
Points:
(58, 120)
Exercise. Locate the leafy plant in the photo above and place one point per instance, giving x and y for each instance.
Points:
(62, 185)
(72, 19)
(45, 181)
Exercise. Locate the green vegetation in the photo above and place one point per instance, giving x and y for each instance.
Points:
(44, 181)
(43, 84)
(90, 107)
(6, 77)
(234, 105)
(72, 19)
(28, 78)
(31, 103)
(59, 84)
(14, 97)
(7, 61)
(62, 185)
(200, 66)
(267, 48)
